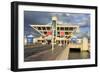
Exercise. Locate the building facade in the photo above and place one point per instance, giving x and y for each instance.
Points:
(55, 33)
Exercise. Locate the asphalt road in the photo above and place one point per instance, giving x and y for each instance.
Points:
(42, 53)
(28, 51)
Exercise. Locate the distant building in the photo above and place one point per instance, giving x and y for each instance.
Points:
(25, 40)
(29, 39)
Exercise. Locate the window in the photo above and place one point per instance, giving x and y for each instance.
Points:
(62, 28)
(58, 33)
(70, 28)
(45, 33)
(44, 28)
(66, 33)
(57, 28)
(48, 28)
(39, 28)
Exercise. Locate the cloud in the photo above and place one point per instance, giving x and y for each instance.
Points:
(67, 14)
(56, 14)
(81, 19)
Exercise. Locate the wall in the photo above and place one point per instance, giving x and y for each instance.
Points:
(5, 36)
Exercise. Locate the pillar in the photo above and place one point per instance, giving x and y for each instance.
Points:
(84, 44)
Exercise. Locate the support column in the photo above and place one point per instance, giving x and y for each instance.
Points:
(52, 41)
(54, 32)
(60, 42)
(85, 44)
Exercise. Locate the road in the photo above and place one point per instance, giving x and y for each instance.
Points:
(40, 52)
(28, 51)
(44, 53)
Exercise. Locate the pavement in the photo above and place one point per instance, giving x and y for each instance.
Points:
(63, 55)
(45, 53)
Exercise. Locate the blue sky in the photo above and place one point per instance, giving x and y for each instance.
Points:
(36, 17)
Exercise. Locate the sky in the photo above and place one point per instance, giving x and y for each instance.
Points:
(36, 17)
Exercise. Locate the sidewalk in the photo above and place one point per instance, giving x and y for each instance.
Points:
(64, 54)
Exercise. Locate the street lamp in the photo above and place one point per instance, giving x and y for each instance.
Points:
(54, 30)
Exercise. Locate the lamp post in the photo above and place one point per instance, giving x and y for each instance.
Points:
(54, 31)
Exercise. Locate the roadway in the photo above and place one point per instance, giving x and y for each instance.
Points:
(44, 53)
(40, 52)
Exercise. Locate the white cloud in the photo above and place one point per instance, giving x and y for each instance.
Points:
(60, 22)
(67, 14)
(30, 36)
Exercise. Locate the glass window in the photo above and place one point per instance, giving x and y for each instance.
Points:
(62, 28)
(57, 28)
(66, 28)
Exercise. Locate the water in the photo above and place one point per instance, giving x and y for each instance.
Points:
(76, 54)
